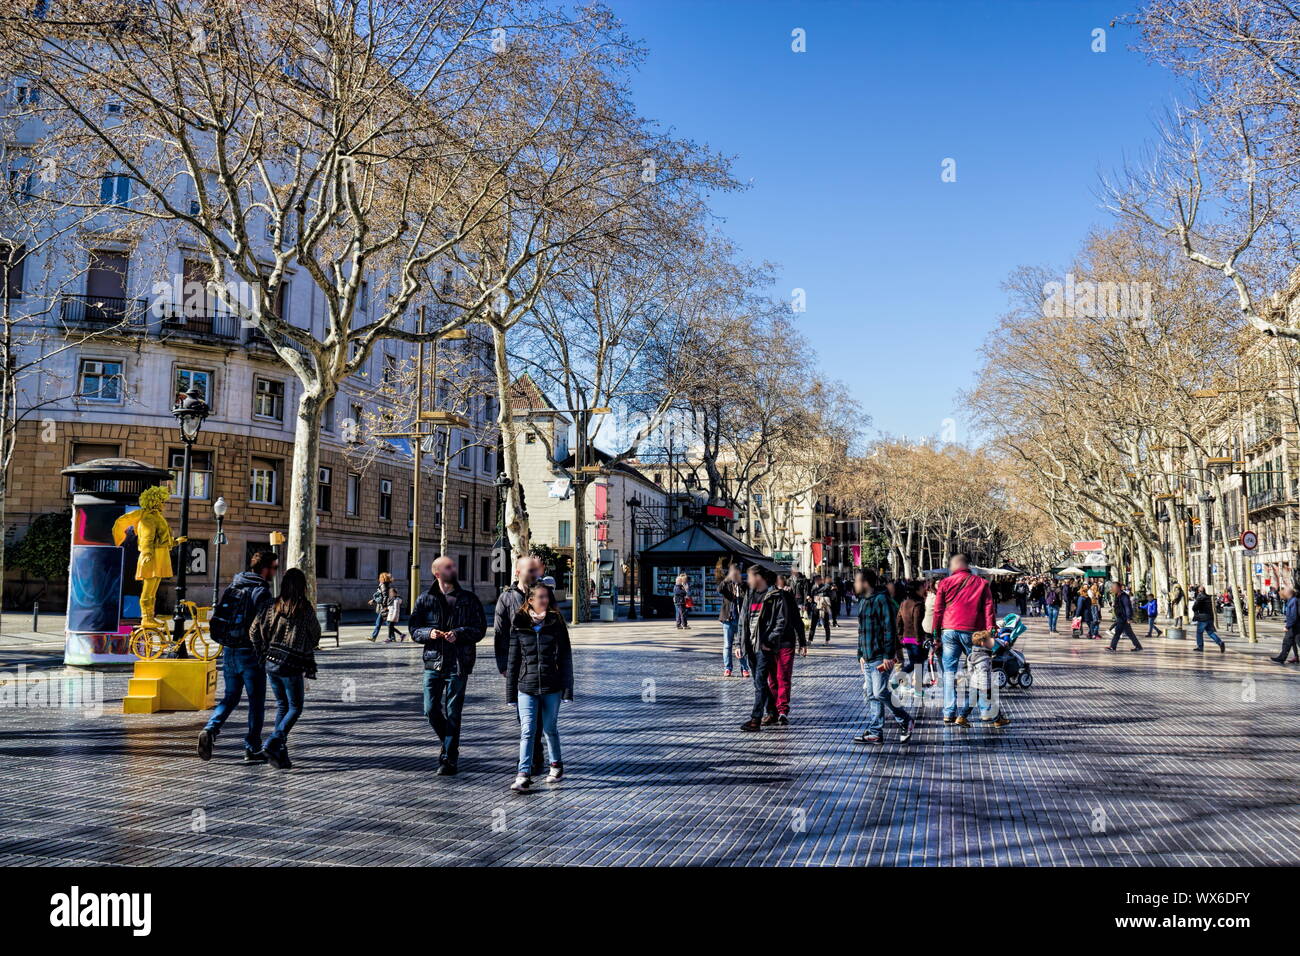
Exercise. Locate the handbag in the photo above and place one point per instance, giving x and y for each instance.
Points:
(277, 656)
(689, 605)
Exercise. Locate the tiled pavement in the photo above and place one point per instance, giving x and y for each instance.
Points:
(1164, 758)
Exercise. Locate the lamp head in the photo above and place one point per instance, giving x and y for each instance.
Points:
(190, 412)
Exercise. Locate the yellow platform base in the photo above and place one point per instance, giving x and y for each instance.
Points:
(171, 685)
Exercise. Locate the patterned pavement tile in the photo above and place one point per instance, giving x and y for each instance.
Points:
(1159, 758)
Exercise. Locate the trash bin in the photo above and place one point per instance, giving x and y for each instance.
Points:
(327, 616)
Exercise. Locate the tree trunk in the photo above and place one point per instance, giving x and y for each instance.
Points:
(301, 552)
(516, 517)
(581, 605)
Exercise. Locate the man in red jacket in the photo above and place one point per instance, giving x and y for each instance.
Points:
(963, 604)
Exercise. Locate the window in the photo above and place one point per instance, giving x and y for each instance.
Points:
(437, 508)
(446, 282)
(15, 261)
(530, 438)
(350, 564)
(462, 569)
(462, 513)
(363, 296)
(324, 489)
(565, 534)
(462, 457)
(353, 432)
(100, 381)
(22, 178)
(484, 570)
(322, 561)
(87, 451)
(488, 460)
(354, 495)
(114, 190)
(26, 92)
(383, 558)
(264, 484)
(200, 473)
(389, 374)
(187, 378)
(485, 516)
(268, 399)
(327, 415)
(385, 500)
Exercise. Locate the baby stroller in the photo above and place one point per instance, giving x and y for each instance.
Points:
(1009, 665)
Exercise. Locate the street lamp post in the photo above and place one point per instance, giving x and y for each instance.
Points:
(632, 504)
(502, 550)
(219, 509)
(190, 414)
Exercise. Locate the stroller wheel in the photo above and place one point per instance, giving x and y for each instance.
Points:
(1000, 678)
(1026, 678)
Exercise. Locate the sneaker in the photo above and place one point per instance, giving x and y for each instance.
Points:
(783, 720)
(279, 757)
(1136, 649)
(906, 733)
(950, 720)
(1001, 721)
(1278, 660)
(1222, 648)
(205, 744)
(727, 672)
(372, 638)
(1109, 649)
(744, 673)
(446, 770)
(1198, 650)
(751, 726)
(254, 756)
(963, 722)
(556, 774)
(769, 720)
(865, 738)
(522, 783)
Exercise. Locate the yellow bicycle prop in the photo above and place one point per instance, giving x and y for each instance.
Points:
(150, 640)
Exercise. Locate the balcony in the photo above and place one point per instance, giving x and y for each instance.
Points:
(105, 312)
(1266, 498)
(208, 324)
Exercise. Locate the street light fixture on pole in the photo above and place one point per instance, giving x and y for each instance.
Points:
(219, 509)
(190, 413)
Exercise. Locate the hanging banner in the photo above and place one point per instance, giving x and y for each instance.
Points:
(601, 510)
(816, 553)
(857, 554)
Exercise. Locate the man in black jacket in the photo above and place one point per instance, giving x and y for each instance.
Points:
(241, 667)
(529, 569)
(1123, 618)
(764, 625)
(449, 622)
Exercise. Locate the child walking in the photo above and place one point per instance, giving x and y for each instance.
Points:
(539, 674)
(393, 612)
(980, 665)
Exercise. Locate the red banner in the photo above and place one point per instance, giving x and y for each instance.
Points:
(817, 553)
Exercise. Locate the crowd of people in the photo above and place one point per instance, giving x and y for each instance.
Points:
(904, 628)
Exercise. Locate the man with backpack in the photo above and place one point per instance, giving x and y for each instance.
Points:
(249, 593)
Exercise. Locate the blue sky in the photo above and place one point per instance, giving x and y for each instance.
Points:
(844, 144)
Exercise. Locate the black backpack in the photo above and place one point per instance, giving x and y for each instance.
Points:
(231, 619)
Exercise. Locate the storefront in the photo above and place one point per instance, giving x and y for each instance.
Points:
(700, 552)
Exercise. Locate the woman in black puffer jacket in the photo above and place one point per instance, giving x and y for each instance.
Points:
(539, 674)
(286, 635)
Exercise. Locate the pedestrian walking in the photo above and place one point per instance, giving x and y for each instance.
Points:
(963, 605)
(530, 569)
(449, 622)
(877, 655)
(980, 678)
(1291, 612)
(1203, 617)
(912, 637)
(681, 601)
(765, 626)
(733, 590)
(1152, 608)
(539, 674)
(1052, 605)
(393, 614)
(286, 636)
(1123, 626)
(229, 625)
(379, 601)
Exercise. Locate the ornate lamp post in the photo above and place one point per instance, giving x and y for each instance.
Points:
(501, 555)
(219, 509)
(190, 412)
(632, 504)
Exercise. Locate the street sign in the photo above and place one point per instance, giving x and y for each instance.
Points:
(1249, 540)
(1259, 569)
(1080, 546)
(559, 488)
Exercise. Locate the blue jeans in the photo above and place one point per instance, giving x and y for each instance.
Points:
(242, 669)
(1203, 628)
(875, 688)
(444, 698)
(379, 622)
(532, 708)
(956, 644)
(288, 699)
(729, 646)
(1052, 614)
(681, 615)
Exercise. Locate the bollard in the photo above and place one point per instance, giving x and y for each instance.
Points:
(36, 615)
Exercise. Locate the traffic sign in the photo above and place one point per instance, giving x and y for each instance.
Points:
(1249, 540)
